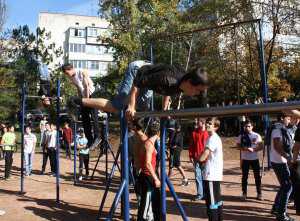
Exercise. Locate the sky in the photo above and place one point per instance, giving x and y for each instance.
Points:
(21, 12)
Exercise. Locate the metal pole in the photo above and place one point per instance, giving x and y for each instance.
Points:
(172, 191)
(125, 171)
(57, 138)
(234, 110)
(22, 136)
(75, 152)
(263, 75)
(163, 170)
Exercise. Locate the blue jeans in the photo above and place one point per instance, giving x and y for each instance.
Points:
(199, 179)
(282, 173)
(28, 162)
(120, 101)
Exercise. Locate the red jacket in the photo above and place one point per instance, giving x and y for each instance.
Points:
(67, 135)
(197, 143)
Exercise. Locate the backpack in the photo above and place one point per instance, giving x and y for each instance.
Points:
(245, 140)
(287, 138)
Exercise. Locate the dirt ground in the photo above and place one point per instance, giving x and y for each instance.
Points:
(81, 202)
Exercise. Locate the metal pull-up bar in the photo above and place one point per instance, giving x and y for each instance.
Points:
(224, 111)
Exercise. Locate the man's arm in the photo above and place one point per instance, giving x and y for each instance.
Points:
(259, 146)
(132, 100)
(278, 146)
(204, 156)
(166, 102)
(148, 164)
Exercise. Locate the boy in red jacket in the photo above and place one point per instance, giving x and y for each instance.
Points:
(197, 143)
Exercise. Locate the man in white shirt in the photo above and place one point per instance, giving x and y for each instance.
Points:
(250, 143)
(85, 87)
(280, 160)
(212, 157)
(29, 149)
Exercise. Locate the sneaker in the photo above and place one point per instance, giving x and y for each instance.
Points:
(259, 197)
(80, 178)
(185, 182)
(2, 212)
(197, 198)
(95, 144)
(284, 217)
(244, 196)
(73, 106)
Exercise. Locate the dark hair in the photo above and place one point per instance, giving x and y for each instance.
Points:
(66, 67)
(281, 116)
(248, 122)
(138, 123)
(153, 128)
(197, 77)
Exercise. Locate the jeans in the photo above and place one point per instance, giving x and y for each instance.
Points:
(68, 149)
(282, 173)
(254, 164)
(199, 179)
(84, 159)
(28, 162)
(144, 97)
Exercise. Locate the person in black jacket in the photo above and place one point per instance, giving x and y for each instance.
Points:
(140, 79)
(175, 151)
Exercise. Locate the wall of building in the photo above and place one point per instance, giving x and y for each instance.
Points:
(78, 36)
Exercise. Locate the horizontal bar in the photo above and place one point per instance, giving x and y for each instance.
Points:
(234, 110)
(161, 36)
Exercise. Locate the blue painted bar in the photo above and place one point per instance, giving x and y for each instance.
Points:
(116, 201)
(125, 170)
(163, 169)
(75, 152)
(177, 201)
(57, 139)
(108, 185)
(22, 136)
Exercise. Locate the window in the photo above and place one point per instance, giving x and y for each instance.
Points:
(94, 65)
(79, 32)
(77, 48)
(92, 32)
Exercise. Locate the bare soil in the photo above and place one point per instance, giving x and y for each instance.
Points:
(81, 202)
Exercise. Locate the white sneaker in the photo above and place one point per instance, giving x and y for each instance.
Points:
(80, 178)
(2, 212)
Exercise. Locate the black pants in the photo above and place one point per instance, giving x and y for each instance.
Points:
(45, 159)
(150, 199)
(52, 156)
(295, 178)
(254, 164)
(84, 159)
(8, 155)
(213, 201)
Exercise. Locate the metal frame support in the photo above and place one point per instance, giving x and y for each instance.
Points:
(23, 107)
(57, 140)
(124, 187)
(75, 152)
(162, 170)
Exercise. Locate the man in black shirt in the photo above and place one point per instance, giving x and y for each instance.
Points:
(142, 77)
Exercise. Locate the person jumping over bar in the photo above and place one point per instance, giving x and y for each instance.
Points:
(140, 79)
